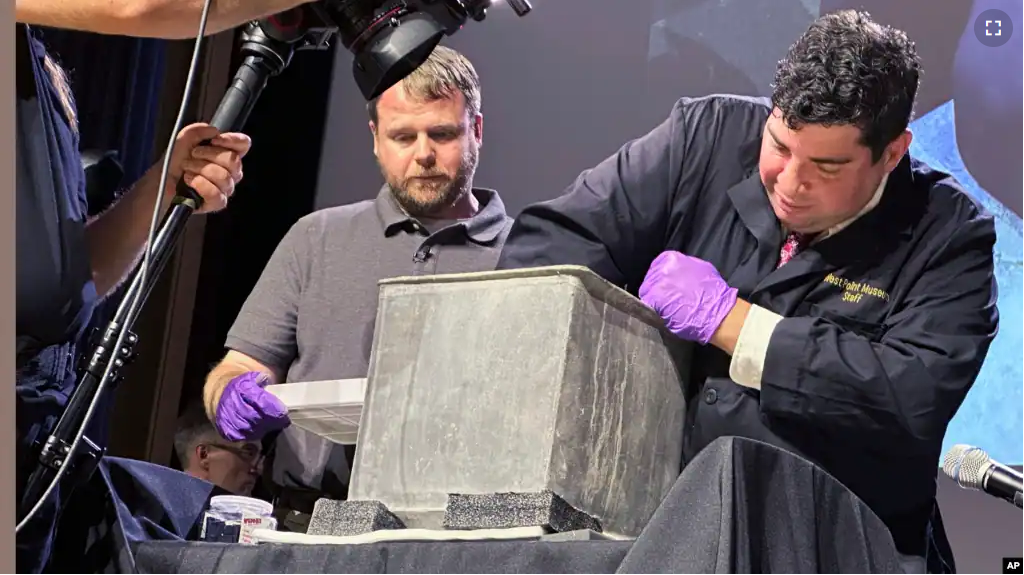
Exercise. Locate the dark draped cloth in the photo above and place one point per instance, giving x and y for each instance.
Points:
(740, 506)
(743, 506)
(126, 502)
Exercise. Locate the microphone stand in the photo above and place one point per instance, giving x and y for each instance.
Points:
(264, 57)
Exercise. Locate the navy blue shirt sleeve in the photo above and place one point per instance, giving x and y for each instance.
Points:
(55, 292)
(894, 395)
(615, 217)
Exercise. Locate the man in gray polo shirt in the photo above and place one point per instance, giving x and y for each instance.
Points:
(311, 315)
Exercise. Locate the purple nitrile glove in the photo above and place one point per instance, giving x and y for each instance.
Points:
(247, 412)
(689, 294)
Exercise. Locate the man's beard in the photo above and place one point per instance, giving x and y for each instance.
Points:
(426, 197)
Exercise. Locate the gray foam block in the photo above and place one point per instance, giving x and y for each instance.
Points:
(506, 510)
(340, 518)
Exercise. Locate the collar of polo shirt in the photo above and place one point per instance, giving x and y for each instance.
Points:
(483, 227)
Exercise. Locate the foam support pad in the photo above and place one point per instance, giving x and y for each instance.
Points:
(341, 518)
(506, 510)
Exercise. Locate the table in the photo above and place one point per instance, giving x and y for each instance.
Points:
(721, 516)
(384, 557)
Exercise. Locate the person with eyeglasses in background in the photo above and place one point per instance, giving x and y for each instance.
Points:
(231, 465)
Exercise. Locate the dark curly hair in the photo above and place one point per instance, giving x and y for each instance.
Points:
(847, 69)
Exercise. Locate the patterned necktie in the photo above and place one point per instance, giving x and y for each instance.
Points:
(795, 243)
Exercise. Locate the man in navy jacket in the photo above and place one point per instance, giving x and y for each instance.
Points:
(842, 293)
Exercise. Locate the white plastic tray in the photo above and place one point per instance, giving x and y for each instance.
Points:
(330, 409)
(272, 536)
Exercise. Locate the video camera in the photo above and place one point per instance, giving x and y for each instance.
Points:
(389, 39)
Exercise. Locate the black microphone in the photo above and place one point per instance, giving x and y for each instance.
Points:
(972, 468)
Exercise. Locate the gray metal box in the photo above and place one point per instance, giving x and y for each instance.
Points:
(520, 381)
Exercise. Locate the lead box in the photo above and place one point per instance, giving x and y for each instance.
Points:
(520, 381)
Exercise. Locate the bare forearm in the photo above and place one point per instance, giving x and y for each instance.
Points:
(233, 365)
(728, 334)
(170, 19)
(117, 237)
(177, 19)
(215, 384)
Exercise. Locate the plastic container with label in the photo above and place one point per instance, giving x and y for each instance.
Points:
(232, 518)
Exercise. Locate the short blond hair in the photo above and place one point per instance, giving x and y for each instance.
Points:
(442, 74)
